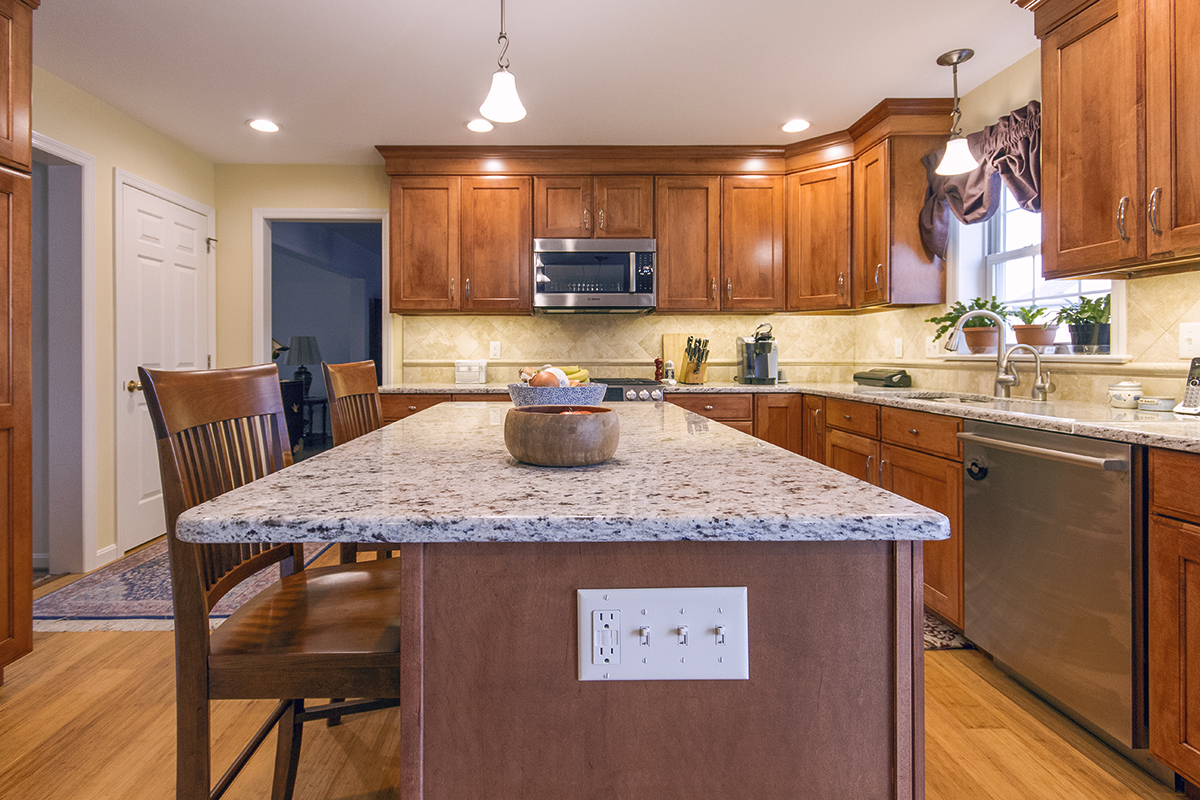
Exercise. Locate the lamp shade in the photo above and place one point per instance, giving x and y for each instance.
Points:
(502, 103)
(303, 350)
(958, 158)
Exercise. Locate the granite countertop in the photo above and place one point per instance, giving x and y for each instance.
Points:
(444, 475)
(1131, 426)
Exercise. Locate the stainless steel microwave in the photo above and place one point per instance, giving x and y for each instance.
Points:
(594, 275)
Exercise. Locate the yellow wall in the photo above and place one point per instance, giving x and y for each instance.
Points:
(72, 117)
(241, 188)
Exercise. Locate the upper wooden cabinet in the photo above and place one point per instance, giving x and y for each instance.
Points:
(818, 239)
(603, 207)
(891, 265)
(460, 244)
(689, 242)
(16, 59)
(752, 261)
(1121, 192)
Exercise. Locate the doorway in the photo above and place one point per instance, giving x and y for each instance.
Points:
(326, 305)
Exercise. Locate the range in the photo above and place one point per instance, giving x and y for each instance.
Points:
(630, 389)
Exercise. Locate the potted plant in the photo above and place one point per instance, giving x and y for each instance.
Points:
(980, 333)
(1030, 332)
(1088, 320)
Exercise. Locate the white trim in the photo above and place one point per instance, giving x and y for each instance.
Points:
(260, 248)
(89, 556)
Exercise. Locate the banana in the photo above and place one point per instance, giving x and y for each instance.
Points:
(570, 370)
(581, 376)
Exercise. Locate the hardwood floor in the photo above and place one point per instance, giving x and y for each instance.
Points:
(91, 715)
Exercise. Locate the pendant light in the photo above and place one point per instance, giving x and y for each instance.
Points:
(502, 103)
(958, 158)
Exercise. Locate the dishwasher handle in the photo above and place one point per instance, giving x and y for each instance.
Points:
(1091, 462)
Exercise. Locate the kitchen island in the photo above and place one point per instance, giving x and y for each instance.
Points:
(494, 551)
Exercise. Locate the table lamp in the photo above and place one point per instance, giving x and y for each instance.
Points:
(303, 350)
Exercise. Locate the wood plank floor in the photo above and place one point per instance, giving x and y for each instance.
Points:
(91, 715)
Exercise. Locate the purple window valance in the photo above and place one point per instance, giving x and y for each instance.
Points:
(1008, 151)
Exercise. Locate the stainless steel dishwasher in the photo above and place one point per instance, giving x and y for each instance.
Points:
(1050, 570)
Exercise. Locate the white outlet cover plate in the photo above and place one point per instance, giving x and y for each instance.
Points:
(1189, 339)
(702, 610)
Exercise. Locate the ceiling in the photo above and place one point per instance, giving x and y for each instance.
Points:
(409, 72)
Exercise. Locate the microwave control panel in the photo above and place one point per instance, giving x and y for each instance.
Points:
(644, 269)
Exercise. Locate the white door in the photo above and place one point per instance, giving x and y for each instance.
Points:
(164, 311)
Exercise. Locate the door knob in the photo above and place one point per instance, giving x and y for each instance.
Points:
(133, 386)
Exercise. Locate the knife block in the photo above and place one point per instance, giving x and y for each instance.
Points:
(693, 375)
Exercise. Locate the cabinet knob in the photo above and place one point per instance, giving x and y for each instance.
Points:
(913, 431)
(412, 408)
(708, 408)
(845, 416)
(133, 386)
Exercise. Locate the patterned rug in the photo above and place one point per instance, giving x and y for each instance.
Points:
(940, 636)
(134, 594)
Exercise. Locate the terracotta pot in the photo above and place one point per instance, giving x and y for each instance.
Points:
(1036, 335)
(545, 436)
(982, 340)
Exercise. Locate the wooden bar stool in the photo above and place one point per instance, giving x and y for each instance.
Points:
(315, 633)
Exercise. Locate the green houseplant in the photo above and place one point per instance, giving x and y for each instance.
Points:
(1031, 332)
(980, 333)
(1089, 321)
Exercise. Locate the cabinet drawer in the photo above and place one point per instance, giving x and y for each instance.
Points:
(847, 415)
(1173, 477)
(399, 406)
(929, 433)
(480, 398)
(716, 406)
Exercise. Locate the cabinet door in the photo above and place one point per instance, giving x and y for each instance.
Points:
(818, 246)
(424, 273)
(562, 207)
(496, 244)
(752, 263)
(16, 59)
(872, 225)
(853, 455)
(934, 483)
(16, 536)
(624, 207)
(689, 242)
(779, 419)
(1174, 632)
(1173, 127)
(1090, 143)
(813, 442)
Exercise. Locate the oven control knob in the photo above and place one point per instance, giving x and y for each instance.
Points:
(631, 394)
(643, 395)
(656, 394)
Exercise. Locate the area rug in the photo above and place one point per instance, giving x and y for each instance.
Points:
(940, 636)
(134, 594)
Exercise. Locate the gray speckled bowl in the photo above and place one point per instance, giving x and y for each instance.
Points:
(588, 394)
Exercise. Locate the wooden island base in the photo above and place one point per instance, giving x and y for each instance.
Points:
(493, 707)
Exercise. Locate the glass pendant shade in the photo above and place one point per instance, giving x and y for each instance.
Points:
(502, 103)
(958, 158)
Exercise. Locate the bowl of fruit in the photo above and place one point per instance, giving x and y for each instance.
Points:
(561, 436)
(555, 386)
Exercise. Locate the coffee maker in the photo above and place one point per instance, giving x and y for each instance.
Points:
(758, 357)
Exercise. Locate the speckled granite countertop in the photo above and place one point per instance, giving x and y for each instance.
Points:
(444, 475)
(1151, 428)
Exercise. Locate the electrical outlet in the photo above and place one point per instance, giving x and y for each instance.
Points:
(1189, 339)
(932, 350)
(898, 347)
(494, 350)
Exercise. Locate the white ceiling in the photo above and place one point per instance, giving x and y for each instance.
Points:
(342, 77)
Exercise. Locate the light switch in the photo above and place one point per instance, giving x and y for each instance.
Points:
(663, 634)
(1189, 339)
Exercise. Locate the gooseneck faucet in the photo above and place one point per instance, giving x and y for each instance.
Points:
(1041, 383)
(1006, 375)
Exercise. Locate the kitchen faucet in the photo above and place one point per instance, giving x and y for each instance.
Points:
(1006, 375)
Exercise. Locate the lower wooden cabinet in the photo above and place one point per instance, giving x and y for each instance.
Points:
(398, 406)
(852, 454)
(734, 410)
(813, 444)
(779, 419)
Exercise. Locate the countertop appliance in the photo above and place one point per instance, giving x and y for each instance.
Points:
(642, 389)
(1053, 566)
(758, 357)
(594, 275)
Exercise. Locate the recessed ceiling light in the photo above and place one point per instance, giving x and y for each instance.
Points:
(479, 125)
(794, 126)
(264, 125)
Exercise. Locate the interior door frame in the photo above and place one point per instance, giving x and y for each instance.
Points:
(81, 553)
(261, 271)
(121, 179)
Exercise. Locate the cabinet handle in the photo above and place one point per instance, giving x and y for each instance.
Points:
(878, 267)
(913, 431)
(587, 220)
(869, 460)
(1121, 208)
(881, 463)
(714, 288)
(729, 287)
(817, 418)
(845, 416)
(841, 284)
(412, 408)
(708, 408)
(468, 289)
(601, 219)
(1152, 212)
(452, 288)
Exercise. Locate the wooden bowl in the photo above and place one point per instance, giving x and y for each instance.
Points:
(545, 436)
